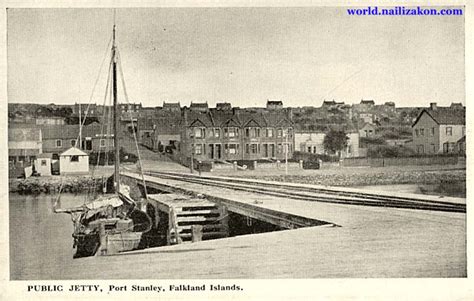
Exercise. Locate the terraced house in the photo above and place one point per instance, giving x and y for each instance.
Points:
(234, 134)
(439, 129)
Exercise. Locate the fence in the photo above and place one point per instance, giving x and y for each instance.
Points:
(379, 162)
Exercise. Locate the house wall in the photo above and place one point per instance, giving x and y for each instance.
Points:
(428, 143)
(314, 143)
(210, 145)
(457, 133)
(66, 166)
(49, 145)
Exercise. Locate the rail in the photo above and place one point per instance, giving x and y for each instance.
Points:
(311, 193)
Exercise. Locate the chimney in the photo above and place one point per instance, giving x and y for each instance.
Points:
(433, 106)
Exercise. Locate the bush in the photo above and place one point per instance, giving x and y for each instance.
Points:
(309, 157)
(387, 151)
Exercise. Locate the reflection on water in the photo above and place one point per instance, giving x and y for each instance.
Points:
(40, 240)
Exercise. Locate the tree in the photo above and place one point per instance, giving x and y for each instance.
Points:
(335, 141)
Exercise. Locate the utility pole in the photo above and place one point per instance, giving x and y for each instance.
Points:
(191, 166)
(80, 127)
(286, 152)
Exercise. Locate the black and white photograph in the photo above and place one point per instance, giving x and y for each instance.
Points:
(230, 143)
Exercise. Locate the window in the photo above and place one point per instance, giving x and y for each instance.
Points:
(247, 132)
(73, 142)
(432, 131)
(199, 133)
(422, 132)
(102, 143)
(279, 133)
(449, 131)
(253, 148)
(59, 143)
(416, 133)
(257, 132)
(55, 156)
(247, 148)
(420, 149)
(88, 143)
(217, 133)
(198, 149)
(43, 162)
(433, 148)
(74, 158)
(233, 149)
(269, 132)
(309, 149)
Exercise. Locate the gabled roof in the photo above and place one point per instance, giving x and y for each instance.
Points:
(443, 115)
(73, 151)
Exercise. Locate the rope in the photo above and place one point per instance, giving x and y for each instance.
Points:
(93, 89)
(131, 120)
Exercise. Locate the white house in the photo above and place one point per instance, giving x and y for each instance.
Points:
(313, 142)
(73, 161)
(43, 164)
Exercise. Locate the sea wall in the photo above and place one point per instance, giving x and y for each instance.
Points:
(37, 185)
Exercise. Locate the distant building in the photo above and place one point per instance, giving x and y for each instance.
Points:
(236, 134)
(438, 129)
(24, 144)
(367, 130)
(95, 137)
(222, 106)
(313, 142)
(171, 106)
(274, 104)
(73, 161)
(50, 121)
(199, 106)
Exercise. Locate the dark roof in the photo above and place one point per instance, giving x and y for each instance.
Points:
(367, 102)
(462, 140)
(223, 106)
(237, 118)
(71, 131)
(199, 105)
(168, 105)
(443, 115)
(24, 134)
(274, 102)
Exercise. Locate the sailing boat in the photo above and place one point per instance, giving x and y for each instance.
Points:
(111, 223)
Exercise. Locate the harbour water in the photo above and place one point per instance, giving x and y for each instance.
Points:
(40, 240)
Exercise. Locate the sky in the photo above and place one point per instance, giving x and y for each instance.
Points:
(244, 56)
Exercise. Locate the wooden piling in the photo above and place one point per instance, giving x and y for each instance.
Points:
(196, 233)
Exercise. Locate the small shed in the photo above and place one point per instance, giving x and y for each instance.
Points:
(43, 164)
(73, 161)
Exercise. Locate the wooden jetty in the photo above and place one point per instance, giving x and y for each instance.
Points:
(369, 241)
(189, 218)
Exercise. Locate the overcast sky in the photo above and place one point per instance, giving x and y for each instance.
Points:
(239, 55)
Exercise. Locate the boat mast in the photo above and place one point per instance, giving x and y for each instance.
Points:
(115, 112)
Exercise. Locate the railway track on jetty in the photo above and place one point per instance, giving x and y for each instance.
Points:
(305, 192)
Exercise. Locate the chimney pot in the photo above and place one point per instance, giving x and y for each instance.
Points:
(433, 106)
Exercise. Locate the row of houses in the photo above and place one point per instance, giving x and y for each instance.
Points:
(228, 134)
